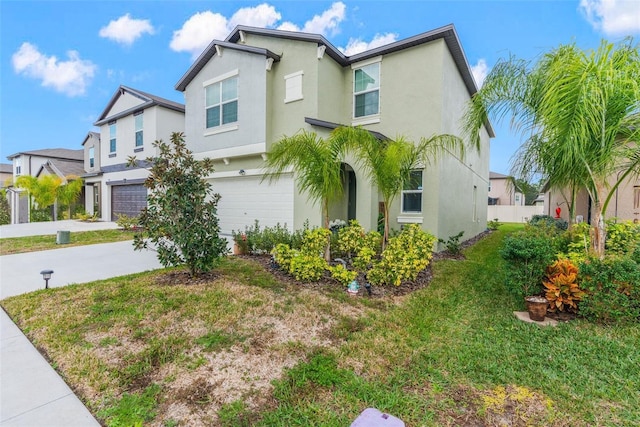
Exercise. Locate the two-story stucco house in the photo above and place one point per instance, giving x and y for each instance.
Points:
(504, 191)
(130, 123)
(245, 93)
(58, 161)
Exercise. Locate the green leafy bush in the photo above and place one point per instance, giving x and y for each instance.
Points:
(5, 209)
(257, 240)
(453, 244)
(307, 267)
(342, 275)
(578, 242)
(405, 256)
(527, 254)
(613, 289)
(493, 224)
(622, 237)
(315, 241)
(126, 222)
(351, 238)
(282, 255)
(547, 220)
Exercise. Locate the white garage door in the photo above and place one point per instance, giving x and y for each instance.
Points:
(244, 199)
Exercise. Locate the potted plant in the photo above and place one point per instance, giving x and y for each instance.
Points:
(537, 307)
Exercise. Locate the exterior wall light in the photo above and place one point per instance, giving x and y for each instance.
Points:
(242, 172)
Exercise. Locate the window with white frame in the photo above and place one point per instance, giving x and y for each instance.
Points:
(139, 123)
(412, 193)
(293, 87)
(18, 166)
(221, 99)
(91, 156)
(636, 197)
(112, 137)
(366, 90)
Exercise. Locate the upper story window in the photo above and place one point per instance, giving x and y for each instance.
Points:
(112, 137)
(221, 99)
(293, 87)
(92, 157)
(412, 193)
(366, 90)
(18, 166)
(138, 117)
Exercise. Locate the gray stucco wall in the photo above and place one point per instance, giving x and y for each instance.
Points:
(251, 103)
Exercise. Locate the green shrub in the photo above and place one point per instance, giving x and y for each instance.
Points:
(351, 238)
(622, 237)
(307, 267)
(315, 241)
(342, 275)
(613, 289)
(527, 254)
(127, 223)
(40, 215)
(453, 244)
(256, 240)
(547, 220)
(578, 242)
(282, 255)
(405, 256)
(493, 224)
(5, 209)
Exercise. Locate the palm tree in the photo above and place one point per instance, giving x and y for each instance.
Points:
(41, 190)
(579, 112)
(316, 163)
(69, 192)
(388, 163)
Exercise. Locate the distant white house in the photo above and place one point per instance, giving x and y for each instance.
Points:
(507, 202)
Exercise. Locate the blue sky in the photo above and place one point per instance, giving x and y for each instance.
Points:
(62, 61)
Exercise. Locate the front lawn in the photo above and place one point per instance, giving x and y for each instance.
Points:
(17, 245)
(241, 348)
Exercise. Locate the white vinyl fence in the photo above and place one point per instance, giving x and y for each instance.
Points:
(509, 213)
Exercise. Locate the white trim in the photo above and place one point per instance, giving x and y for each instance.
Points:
(218, 50)
(220, 129)
(242, 36)
(361, 64)
(297, 73)
(366, 120)
(220, 78)
(242, 150)
(410, 220)
(269, 64)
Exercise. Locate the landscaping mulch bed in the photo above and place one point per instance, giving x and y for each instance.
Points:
(327, 283)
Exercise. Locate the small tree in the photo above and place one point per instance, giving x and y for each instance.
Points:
(180, 218)
(5, 209)
(68, 193)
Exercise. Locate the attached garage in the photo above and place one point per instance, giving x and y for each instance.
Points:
(128, 200)
(244, 199)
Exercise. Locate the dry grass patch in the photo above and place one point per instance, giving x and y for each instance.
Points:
(206, 343)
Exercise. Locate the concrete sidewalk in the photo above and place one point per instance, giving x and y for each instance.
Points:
(31, 392)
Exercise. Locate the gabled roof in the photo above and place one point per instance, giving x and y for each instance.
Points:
(210, 51)
(94, 135)
(148, 101)
(496, 175)
(330, 125)
(62, 168)
(6, 168)
(447, 33)
(54, 153)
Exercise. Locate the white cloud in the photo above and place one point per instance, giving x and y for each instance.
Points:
(480, 71)
(125, 30)
(203, 27)
(358, 45)
(69, 77)
(612, 17)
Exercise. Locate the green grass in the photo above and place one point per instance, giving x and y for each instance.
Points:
(450, 354)
(16, 245)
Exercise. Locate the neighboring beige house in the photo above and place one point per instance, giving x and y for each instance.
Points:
(60, 161)
(130, 123)
(243, 94)
(504, 191)
(624, 205)
(6, 174)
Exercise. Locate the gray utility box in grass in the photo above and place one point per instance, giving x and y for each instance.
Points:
(63, 237)
(372, 417)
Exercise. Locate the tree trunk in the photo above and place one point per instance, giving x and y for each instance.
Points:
(385, 236)
(325, 214)
(598, 234)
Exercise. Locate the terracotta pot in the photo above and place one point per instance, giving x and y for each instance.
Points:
(537, 307)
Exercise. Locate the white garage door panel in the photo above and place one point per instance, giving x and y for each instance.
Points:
(244, 199)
